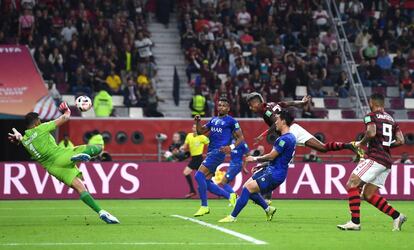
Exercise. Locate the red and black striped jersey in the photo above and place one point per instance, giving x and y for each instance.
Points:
(270, 110)
(379, 146)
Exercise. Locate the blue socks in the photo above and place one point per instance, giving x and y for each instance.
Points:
(241, 202)
(256, 197)
(202, 187)
(244, 198)
(228, 188)
(213, 188)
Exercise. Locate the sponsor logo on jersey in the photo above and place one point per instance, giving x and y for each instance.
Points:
(218, 130)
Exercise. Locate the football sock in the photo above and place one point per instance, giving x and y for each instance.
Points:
(215, 189)
(202, 187)
(241, 202)
(88, 200)
(381, 203)
(93, 150)
(258, 199)
(335, 146)
(354, 199)
(190, 183)
(228, 188)
(268, 195)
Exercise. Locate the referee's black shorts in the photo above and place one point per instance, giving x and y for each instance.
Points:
(195, 162)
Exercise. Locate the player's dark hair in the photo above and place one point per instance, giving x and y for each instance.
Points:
(286, 116)
(378, 98)
(254, 95)
(31, 118)
(223, 99)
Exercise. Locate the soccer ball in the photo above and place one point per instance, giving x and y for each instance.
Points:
(83, 103)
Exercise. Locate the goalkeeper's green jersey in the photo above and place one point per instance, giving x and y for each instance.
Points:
(41, 144)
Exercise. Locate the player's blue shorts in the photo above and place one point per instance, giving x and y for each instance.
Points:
(213, 159)
(267, 181)
(232, 171)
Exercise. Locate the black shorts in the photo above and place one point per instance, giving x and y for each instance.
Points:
(195, 162)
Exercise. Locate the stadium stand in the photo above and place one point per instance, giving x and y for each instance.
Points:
(77, 44)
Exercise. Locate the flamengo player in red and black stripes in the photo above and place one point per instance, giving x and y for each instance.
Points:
(303, 138)
(270, 110)
(382, 133)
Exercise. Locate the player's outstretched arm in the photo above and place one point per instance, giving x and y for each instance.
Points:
(201, 130)
(399, 139)
(301, 103)
(267, 157)
(15, 137)
(64, 108)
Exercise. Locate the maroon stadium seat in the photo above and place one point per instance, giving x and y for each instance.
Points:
(379, 90)
(410, 114)
(331, 103)
(397, 103)
(320, 113)
(391, 81)
(348, 114)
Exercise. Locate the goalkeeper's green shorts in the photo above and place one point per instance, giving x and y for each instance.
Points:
(63, 168)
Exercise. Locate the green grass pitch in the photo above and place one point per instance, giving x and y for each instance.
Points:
(147, 224)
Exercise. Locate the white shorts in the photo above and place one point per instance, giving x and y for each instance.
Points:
(300, 133)
(372, 172)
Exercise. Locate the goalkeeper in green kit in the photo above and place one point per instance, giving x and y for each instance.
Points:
(58, 161)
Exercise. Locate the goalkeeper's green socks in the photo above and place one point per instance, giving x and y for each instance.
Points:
(88, 200)
(93, 150)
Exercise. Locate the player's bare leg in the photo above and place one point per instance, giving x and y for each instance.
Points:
(374, 198)
(187, 174)
(354, 198)
(88, 200)
(333, 146)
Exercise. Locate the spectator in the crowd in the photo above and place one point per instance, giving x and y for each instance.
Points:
(404, 159)
(406, 85)
(65, 142)
(114, 83)
(292, 72)
(243, 92)
(335, 70)
(132, 96)
(312, 157)
(45, 67)
(342, 85)
(102, 104)
(143, 79)
(321, 17)
(174, 153)
(398, 63)
(273, 91)
(143, 45)
(369, 52)
(362, 39)
(374, 73)
(68, 31)
(384, 60)
(315, 85)
(163, 10)
(26, 26)
(198, 104)
(56, 59)
(243, 18)
(151, 109)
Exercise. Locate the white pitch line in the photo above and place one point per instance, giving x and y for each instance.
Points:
(19, 244)
(224, 230)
